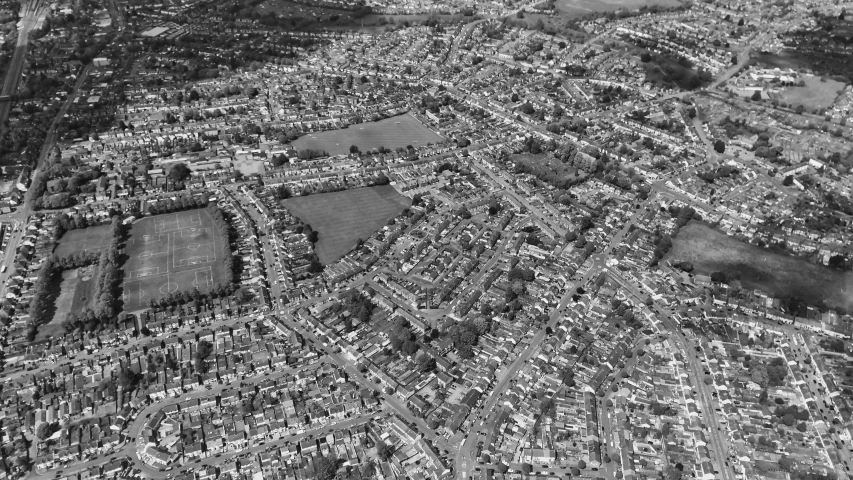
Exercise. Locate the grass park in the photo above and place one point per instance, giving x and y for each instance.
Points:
(76, 289)
(83, 240)
(581, 7)
(816, 93)
(710, 250)
(172, 253)
(342, 218)
(392, 133)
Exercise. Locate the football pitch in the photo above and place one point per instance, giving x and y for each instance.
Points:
(341, 218)
(171, 253)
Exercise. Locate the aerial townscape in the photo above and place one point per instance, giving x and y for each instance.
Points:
(426, 239)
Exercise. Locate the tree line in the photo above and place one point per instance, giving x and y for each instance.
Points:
(196, 296)
(224, 239)
(179, 204)
(66, 222)
(663, 242)
(40, 304)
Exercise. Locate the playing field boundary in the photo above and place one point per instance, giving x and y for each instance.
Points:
(169, 254)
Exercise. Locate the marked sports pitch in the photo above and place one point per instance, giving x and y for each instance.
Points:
(171, 253)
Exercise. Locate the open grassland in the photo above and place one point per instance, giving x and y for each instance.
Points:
(815, 94)
(172, 253)
(83, 240)
(581, 7)
(76, 289)
(782, 275)
(342, 218)
(394, 132)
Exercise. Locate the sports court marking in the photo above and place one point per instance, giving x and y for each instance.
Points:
(205, 280)
(193, 232)
(197, 260)
(162, 224)
(145, 272)
(191, 219)
(149, 238)
(192, 246)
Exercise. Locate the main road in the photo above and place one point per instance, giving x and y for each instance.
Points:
(30, 13)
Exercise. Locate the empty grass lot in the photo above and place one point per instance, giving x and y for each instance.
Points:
(172, 253)
(781, 275)
(815, 94)
(85, 239)
(581, 7)
(76, 289)
(341, 218)
(394, 132)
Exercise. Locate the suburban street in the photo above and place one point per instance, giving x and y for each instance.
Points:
(515, 183)
(716, 434)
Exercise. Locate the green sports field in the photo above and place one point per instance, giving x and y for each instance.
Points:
(84, 239)
(76, 290)
(581, 7)
(394, 132)
(781, 275)
(172, 253)
(341, 218)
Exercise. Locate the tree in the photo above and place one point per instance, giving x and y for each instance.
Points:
(44, 431)
(383, 451)
(719, 146)
(645, 57)
(242, 295)
(179, 172)
(759, 375)
(203, 351)
(526, 468)
(368, 469)
(127, 379)
(756, 95)
(788, 180)
(718, 277)
(326, 468)
(425, 362)
(354, 149)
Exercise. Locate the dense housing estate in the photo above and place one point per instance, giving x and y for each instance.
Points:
(425, 240)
